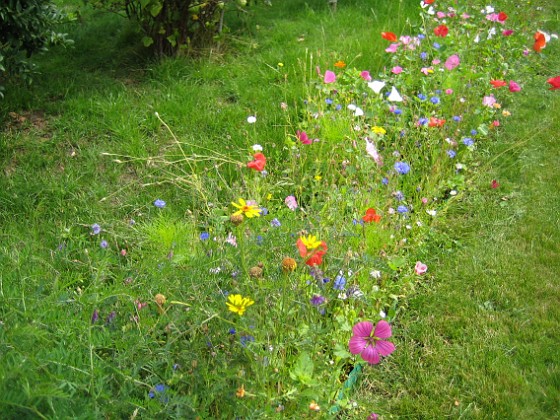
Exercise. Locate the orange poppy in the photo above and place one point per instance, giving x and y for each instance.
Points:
(441, 31)
(436, 122)
(258, 162)
(498, 83)
(540, 41)
(389, 36)
(371, 216)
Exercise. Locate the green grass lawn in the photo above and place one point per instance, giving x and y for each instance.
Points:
(81, 334)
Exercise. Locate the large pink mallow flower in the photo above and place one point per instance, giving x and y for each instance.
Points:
(371, 346)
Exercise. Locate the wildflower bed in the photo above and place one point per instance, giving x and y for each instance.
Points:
(291, 261)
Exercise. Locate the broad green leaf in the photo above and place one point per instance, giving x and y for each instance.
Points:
(147, 41)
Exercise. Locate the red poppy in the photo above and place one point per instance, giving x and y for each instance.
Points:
(540, 41)
(314, 256)
(436, 122)
(428, 1)
(494, 184)
(554, 82)
(258, 162)
(441, 31)
(502, 17)
(371, 216)
(498, 83)
(389, 36)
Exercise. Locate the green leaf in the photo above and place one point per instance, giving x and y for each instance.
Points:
(341, 351)
(147, 41)
(303, 369)
(156, 9)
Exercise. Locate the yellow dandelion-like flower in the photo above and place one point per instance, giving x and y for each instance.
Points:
(378, 130)
(310, 242)
(238, 303)
(340, 64)
(247, 210)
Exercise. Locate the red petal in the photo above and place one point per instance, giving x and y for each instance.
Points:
(554, 82)
(389, 36)
(502, 17)
(301, 248)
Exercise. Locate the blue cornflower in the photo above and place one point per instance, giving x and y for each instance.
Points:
(264, 211)
(438, 91)
(275, 223)
(399, 195)
(467, 141)
(259, 239)
(338, 107)
(104, 244)
(451, 153)
(421, 36)
(434, 100)
(402, 209)
(397, 111)
(339, 282)
(423, 55)
(95, 229)
(159, 203)
(423, 121)
(204, 236)
(474, 132)
(385, 181)
(422, 97)
(246, 339)
(436, 45)
(328, 101)
(231, 331)
(457, 118)
(402, 168)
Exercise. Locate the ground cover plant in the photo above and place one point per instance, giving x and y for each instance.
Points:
(250, 263)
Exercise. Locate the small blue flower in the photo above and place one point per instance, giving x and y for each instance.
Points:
(204, 236)
(339, 282)
(474, 132)
(246, 339)
(422, 97)
(423, 55)
(317, 300)
(259, 239)
(451, 153)
(104, 244)
(467, 141)
(436, 45)
(338, 107)
(423, 121)
(397, 111)
(264, 211)
(159, 203)
(232, 331)
(275, 223)
(385, 181)
(457, 118)
(95, 229)
(421, 36)
(402, 209)
(402, 168)
(399, 195)
(328, 101)
(434, 100)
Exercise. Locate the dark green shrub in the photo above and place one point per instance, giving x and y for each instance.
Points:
(26, 27)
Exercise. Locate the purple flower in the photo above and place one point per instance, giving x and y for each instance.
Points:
(204, 236)
(159, 203)
(423, 121)
(275, 223)
(246, 339)
(474, 132)
(423, 55)
(104, 244)
(422, 97)
(467, 141)
(369, 346)
(434, 100)
(402, 209)
(317, 300)
(291, 202)
(95, 316)
(451, 153)
(95, 229)
(339, 282)
(402, 168)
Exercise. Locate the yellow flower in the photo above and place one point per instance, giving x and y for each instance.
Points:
(310, 242)
(238, 303)
(248, 210)
(378, 130)
(288, 264)
(318, 177)
(340, 64)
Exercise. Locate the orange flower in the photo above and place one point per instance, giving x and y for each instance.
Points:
(441, 31)
(436, 122)
(340, 64)
(428, 1)
(311, 248)
(389, 36)
(371, 216)
(258, 162)
(498, 83)
(540, 41)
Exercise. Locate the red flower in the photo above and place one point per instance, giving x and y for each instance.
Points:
(371, 216)
(428, 1)
(436, 122)
(313, 250)
(554, 82)
(441, 31)
(389, 36)
(494, 184)
(258, 162)
(502, 17)
(498, 83)
(540, 41)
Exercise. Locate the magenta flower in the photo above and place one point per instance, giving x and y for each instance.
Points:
(513, 86)
(369, 346)
(420, 268)
(302, 137)
(397, 70)
(365, 75)
(392, 48)
(452, 62)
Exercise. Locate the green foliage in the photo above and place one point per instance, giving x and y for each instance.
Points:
(28, 27)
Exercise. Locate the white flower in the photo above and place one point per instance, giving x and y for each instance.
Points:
(431, 212)
(491, 33)
(251, 119)
(376, 85)
(394, 96)
(358, 112)
(382, 314)
(477, 39)
(487, 10)
(376, 274)
(257, 148)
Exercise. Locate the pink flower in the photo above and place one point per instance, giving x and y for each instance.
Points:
(369, 346)
(302, 137)
(514, 87)
(420, 268)
(496, 123)
(436, 61)
(427, 70)
(397, 70)
(448, 91)
(365, 75)
(452, 62)
(392, 48)
(507, 32)
(489, 101)
(291, 202)
(440, 15)
(330, 77)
